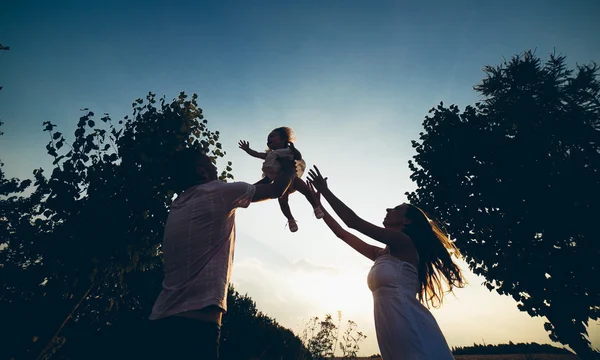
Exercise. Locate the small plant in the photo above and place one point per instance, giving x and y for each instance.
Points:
(321, 338)
(351, 339)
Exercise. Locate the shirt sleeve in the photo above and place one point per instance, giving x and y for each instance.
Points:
(239, 194)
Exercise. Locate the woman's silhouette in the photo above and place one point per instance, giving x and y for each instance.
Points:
(407, 273)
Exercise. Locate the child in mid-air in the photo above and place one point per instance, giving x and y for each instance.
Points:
(280, 144)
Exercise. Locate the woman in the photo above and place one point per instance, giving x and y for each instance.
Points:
(407, 273)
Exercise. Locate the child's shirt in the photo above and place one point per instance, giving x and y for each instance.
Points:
(271, 166)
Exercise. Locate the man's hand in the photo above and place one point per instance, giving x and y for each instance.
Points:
(317, 180)
(244, 145)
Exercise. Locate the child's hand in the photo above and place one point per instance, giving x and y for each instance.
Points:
(244, 145)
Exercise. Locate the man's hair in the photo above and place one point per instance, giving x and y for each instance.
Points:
(184, 166)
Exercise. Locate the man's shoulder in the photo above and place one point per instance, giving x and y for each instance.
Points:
(224, 185)
(234, 187)
(240, 193)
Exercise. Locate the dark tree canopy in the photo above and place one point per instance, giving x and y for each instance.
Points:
(95, 222)
(516, 178)
(80, 257)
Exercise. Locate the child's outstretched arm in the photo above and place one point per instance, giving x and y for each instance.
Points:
(244, 145)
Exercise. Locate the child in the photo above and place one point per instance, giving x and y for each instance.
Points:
(280, 144)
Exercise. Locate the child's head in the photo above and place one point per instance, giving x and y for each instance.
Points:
(280, 137)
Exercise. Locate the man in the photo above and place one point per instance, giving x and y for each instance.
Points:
(198, 247)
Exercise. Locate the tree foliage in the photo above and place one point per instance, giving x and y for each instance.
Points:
(94, 222)
(510, 348)
(248, 333)
(80, 261)
(515, 178)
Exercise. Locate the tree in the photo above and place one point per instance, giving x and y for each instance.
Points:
(74, 250)
(515, 178)
(248, 333)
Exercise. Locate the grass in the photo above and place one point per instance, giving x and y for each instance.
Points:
(501, 357)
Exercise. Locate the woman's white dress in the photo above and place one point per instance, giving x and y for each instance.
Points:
(406, 330)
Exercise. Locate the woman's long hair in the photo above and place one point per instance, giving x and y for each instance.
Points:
(437, 271)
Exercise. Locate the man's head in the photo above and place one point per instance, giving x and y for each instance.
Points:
(191, 167)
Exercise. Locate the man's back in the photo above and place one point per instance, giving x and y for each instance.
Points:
(198, 247)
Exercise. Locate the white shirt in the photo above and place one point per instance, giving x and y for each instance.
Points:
(198, 247)
(272, 167)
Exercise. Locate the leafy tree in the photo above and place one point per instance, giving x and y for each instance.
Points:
(247, 333)
(81, 265)
(73, 250)
(515, 178)
(510, 348)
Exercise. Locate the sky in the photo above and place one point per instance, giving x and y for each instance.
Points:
(354, 79)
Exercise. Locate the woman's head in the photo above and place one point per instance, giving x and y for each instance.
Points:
(191, 167)
(280, 137)
(434, 248)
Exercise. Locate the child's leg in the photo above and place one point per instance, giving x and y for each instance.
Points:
(285, 206)
(264, 180)
(301, 186)
(285, 209)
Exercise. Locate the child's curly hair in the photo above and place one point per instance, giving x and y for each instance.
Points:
(286, 134)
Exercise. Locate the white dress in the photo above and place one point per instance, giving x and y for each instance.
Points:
(405, 328)
(271, 166)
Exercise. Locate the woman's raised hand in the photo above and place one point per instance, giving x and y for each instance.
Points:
(316, 179)
(315, 194)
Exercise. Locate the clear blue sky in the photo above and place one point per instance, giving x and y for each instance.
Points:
(353, 78)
